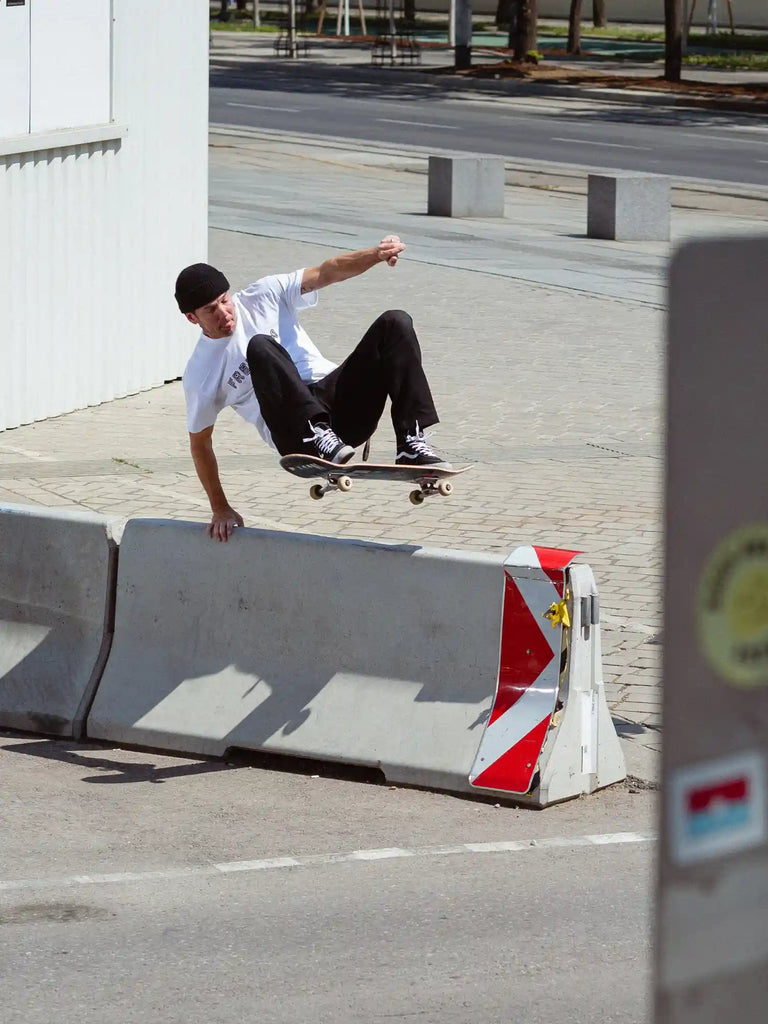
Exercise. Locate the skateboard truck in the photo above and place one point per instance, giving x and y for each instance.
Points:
(428, 487)
(335, 483)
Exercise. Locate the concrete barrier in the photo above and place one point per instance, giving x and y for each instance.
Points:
(370, 654)
(629, 207)
(57, 572)
(466, 185)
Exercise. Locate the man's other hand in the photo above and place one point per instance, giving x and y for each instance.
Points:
(389, 249)
(223, 523)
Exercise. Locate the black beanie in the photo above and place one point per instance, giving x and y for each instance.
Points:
(198, 285)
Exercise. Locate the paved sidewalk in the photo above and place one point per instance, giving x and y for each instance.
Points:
(540, 240)
(554, 393)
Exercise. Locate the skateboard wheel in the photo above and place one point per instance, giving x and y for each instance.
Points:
(344, 483)
(445, 487)
(316, 491)
(416, 497)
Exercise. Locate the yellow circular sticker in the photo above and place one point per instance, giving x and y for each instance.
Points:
(733, 607)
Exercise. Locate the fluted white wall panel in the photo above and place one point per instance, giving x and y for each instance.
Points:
(95, 233)
(62, 209)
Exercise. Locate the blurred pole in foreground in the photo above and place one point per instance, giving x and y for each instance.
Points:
(712, 921)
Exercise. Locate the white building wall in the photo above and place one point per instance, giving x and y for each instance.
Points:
(14, 70)
(75, 40)
(98, 220)
(161, 93)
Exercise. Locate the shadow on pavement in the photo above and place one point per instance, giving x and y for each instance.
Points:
(625, 728)
(361, 82)
(115, 771)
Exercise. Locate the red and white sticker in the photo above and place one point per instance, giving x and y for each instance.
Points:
(717, 808)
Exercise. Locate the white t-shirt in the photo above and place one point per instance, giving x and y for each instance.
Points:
(217, 374)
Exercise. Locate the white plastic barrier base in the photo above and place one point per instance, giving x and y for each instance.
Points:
(582, 753)
(56, 577)
(364, 653)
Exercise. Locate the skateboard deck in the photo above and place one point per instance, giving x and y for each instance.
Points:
(339, 477)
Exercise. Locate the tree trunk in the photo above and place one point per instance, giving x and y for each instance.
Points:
(503, 12)
(241, 5)
(673, 40)
(409, 12)
(532, 26)
(574, 28)
(523, 27)
(599, 17)
(462, 49)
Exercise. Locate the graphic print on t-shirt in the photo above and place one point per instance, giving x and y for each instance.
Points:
(240, 375)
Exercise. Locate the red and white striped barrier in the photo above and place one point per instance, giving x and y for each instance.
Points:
(529, 671)
(550, 735)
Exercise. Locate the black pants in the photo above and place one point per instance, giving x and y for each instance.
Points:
(385, 364)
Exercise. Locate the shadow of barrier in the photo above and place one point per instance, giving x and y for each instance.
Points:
(57, 583)
(461, 671)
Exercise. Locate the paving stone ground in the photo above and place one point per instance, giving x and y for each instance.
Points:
(554, 395)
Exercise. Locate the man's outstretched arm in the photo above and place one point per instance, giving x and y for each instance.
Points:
(351, 264)
(224, 519)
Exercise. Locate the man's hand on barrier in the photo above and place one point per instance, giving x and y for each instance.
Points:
(223, 523)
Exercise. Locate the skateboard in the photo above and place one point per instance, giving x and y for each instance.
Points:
(339, 477)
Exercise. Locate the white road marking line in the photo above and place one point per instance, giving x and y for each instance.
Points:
(610, 145)
(381, 854)
(722, 138)
(613, 838)
(262, 106)
(258, 865)
(130, 876)
(420, 124)
(324, 859)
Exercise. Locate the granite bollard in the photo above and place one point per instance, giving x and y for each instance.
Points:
(466, 186)
(628, 207)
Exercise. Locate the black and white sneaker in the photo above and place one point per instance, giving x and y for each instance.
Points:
(413, 450)
(329, 445)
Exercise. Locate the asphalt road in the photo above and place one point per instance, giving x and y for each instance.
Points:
(137, 887)
(445, 942)
(357, 105)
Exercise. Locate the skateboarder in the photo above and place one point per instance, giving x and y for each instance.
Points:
(254, 355)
